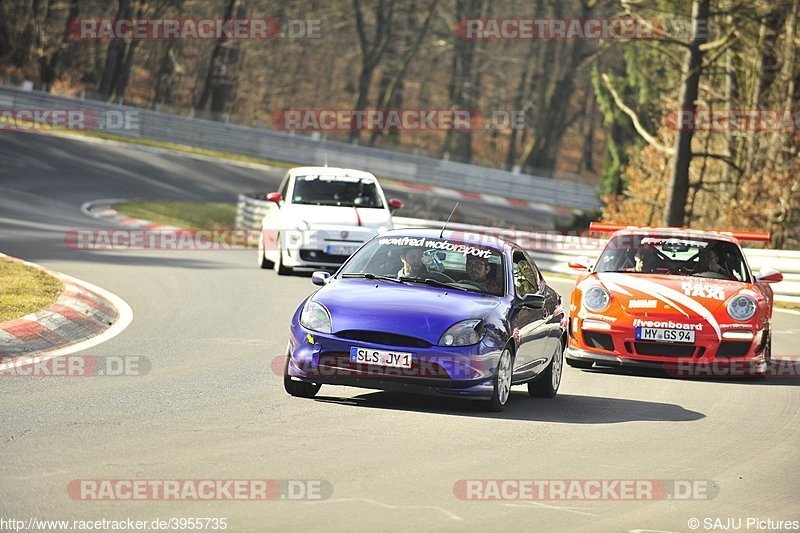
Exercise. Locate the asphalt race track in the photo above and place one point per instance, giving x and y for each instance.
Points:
(211, 406)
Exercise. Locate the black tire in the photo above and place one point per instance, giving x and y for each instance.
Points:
(577, 363)
(767, 359)
(263, 262)
(279, 268)
(299, 389)
(546, 385)
(499, 397)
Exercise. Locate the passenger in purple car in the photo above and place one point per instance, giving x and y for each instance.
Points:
(412, 263)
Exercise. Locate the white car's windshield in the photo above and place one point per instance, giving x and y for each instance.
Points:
(336, 190)
(677, 256)
(459, 265)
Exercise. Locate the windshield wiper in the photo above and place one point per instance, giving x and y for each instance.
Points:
(370, 275)
(434, 283)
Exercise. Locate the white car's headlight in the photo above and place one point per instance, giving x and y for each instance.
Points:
(315, 317)
(596, 299)
(303, 225)
(464, 333)
(742, 308)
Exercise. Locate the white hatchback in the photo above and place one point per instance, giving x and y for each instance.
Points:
(320, 216)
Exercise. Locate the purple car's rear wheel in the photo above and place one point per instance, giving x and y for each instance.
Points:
(546, 385)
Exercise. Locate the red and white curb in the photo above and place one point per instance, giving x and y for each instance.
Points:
(490, 199)
(102, 209)
(83, 316)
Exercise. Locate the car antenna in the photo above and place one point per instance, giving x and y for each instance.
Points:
(326, 159)
(448, 220)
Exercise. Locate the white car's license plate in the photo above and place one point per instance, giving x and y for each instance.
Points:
(380, 357)
(340, 250)
(664, 335)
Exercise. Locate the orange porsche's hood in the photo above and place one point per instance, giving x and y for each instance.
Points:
(656, 295)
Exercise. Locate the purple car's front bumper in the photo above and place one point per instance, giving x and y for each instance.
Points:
(457, 372)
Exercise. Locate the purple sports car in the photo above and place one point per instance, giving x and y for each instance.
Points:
(450, 313)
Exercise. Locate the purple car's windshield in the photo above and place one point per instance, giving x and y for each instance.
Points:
(672, 255)
(437, 262)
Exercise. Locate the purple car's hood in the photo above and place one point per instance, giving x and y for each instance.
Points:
(409, 309)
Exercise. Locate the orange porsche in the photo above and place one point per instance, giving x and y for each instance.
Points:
(672, 298)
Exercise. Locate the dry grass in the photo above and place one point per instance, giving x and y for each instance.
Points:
(24, 290)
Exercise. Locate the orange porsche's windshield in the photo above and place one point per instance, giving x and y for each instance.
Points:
(671, 255)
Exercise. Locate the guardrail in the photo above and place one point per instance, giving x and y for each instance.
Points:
(306, 150)
(553, 252)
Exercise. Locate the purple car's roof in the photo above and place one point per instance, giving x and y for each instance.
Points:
(467, 237)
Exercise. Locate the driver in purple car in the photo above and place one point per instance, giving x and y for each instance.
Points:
(478, 270)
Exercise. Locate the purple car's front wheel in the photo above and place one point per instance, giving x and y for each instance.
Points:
(502, 384)
(301, 389)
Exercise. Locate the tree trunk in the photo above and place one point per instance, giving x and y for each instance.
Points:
(461, 89)
(678, 187)
(519, 99)
(224, 60)
(372, 50)
(729, 184)
(553, 117)
(390, 92)
(766, 73)
(115, 56)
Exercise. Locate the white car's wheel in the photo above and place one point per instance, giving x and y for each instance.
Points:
(263, 262)
(279, 268)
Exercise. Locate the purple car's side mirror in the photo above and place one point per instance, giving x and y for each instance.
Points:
(320, 277)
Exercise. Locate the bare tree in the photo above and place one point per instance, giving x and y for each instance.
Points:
(678, 186)
(372, 48)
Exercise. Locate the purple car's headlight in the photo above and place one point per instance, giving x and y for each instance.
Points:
(464, 333)
(315, 317)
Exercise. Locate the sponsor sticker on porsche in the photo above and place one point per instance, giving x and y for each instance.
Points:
(703, 290)
(642, 304)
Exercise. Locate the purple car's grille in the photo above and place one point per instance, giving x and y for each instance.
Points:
(387, 339)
